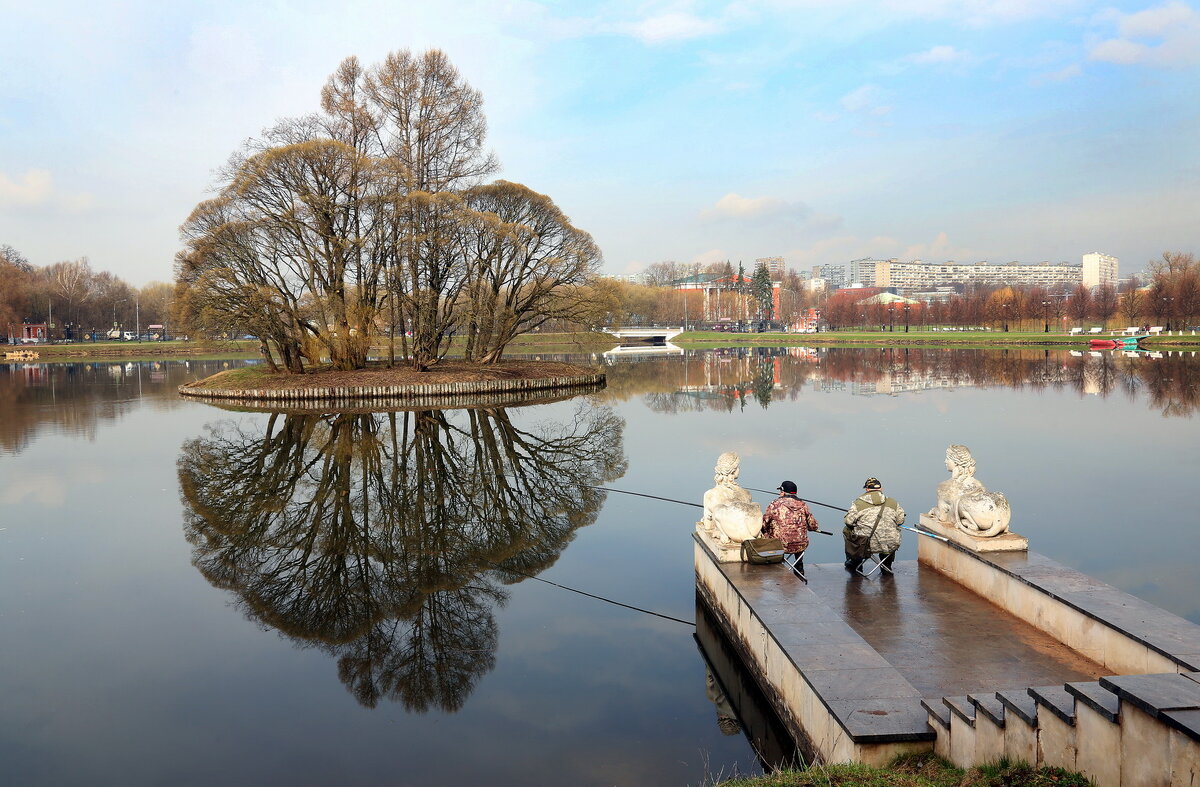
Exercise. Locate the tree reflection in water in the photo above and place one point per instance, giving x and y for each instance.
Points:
(727, 379)
(384, 538)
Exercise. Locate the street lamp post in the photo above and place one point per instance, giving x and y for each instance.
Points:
(1046, 316)
(119, 300)
(1166, 310)
(1004, 317)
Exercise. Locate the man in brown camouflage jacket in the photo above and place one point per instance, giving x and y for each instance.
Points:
(789, 520)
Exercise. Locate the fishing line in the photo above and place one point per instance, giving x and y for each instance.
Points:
(589, 595)
(699, 505)
(805, 499)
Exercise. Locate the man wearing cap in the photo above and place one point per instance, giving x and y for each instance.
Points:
(874, 519)
(789, 520)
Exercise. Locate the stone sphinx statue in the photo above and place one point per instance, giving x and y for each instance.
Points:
(964, 503)
(730, 515)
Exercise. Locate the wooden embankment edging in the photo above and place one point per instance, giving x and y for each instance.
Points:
(446, 394)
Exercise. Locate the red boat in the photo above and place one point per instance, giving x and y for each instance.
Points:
(1105, 344)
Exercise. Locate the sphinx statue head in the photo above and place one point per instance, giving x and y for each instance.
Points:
(729, 467)
(963, 502)
(730, 514)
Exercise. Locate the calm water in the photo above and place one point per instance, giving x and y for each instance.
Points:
(193, 595)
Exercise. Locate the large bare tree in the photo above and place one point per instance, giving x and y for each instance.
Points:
(369, 218)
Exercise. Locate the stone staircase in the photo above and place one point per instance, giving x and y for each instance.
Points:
(1120, 730)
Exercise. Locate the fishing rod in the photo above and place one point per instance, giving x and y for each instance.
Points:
(925, 533)
(589, 595)
(805, 499)
(686, 502)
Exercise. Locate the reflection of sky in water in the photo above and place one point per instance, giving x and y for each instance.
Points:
(120, 658)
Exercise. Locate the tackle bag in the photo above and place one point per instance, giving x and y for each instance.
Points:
(857, 546)
(762, 550)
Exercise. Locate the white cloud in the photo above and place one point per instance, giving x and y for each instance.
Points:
(735, 206)
(226, 54)
(33, 188)
(710, 256)
(982, 13)
(939, 55)
(36, 188)
(1166, 36)
(939, 250)
(1062, 75)
(865, 100)
(672, 27)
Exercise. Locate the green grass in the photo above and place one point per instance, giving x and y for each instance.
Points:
(589, 342)
(922, 770)
(914, 338)
(244, 378)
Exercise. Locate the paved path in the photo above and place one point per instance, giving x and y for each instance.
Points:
(944, 639)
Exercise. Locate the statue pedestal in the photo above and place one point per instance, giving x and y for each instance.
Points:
(724, 553)
(1005, 542)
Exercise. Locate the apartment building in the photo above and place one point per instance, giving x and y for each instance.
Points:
(917, 274)
(1100, 269)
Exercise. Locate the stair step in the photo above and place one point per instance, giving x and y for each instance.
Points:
(1154, 694)
(1186, 721)
(989, 705)
(1056, 700)
(1019, 704)
(1096, 697)
(961, 708)
(938, 711)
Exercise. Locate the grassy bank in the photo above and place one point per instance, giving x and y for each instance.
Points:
(915, 338)
(150, 351)
(594, 342)
(916, 771)
(259, 377)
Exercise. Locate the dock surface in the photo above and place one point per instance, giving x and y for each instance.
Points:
(944, 641)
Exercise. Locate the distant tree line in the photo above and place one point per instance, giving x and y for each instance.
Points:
(656, 301)
(369, 221)
(80, 299)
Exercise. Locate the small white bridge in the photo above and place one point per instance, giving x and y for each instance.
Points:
(644, 335)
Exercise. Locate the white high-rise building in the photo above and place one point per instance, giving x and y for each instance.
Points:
(863, 271)
(1099, 269)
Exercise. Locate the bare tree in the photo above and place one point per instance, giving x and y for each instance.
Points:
(1104, 304)
(1079, 304)
(527, 265)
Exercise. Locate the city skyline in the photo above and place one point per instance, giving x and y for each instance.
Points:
(820, 132)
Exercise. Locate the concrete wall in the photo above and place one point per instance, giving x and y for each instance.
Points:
(1107, 645)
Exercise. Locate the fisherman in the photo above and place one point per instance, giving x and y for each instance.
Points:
(872, 525)
(788, 519)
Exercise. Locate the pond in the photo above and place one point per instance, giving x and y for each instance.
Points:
(191, 594)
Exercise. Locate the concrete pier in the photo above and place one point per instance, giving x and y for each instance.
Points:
(974, 655)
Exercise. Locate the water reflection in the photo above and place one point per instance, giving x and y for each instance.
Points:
(76, 398)
(384, 538)
(739, 703)
(729, 379)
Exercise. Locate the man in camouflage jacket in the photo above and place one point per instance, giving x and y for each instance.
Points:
(871, 506)
(789, 520)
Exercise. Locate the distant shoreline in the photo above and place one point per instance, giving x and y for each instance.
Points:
(594, 342)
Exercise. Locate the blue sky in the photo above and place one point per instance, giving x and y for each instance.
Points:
(820, 130)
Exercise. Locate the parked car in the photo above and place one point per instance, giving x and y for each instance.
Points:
(128, 336)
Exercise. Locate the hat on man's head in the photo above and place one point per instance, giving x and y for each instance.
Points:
(872, 483)
(787, 487)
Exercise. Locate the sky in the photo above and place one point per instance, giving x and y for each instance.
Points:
(817, 130)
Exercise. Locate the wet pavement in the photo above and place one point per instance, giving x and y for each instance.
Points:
(943, 639)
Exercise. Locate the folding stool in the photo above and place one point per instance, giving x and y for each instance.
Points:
(794, 562)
